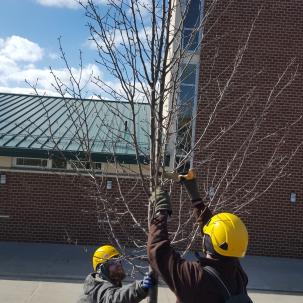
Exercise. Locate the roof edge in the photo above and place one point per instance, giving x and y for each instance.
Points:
(69, 98)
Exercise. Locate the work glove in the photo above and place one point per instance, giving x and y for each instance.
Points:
(160, 200)
(148, 281)
(190, 182)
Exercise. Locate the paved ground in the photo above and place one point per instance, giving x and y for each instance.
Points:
(73, 262)
(14, 291)
(51, 273)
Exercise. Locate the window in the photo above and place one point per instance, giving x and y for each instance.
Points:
(31, 162)
(188, 89)
(191, 24)
(187, 96)
(184, 136)
(55, 163)
(186, 105)
(59, 163)
(182, 141)
(83, 165)
(188, 75)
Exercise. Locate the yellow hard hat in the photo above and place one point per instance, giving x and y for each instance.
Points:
(103, 254)
(228, 235)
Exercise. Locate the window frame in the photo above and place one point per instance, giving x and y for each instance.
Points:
(193, 30)
(15, 164)
(194, 85)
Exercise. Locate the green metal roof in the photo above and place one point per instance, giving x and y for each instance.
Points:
(38, 125)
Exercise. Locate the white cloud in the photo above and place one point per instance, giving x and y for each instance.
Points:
(67, 3)
(45, 78)
(20, 49)
(59, 3)
(16, 66)
(27, 91)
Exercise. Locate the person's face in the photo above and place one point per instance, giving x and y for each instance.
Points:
(116, 271)
(207, 255)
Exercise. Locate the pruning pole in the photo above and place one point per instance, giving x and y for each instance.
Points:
(152, 296)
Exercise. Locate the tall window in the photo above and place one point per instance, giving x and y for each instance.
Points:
(182, 143)
(191, 24)
(186, 105)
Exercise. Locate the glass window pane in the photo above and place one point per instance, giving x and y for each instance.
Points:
(190, 40)
(193, 13)
(189, 74)
(187, 95)
(184, 135)
(31, 162)
(19, 161)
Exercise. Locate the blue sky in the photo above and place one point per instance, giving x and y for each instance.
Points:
(29, 31)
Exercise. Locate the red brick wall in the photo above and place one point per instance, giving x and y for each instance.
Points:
(67, 209)
(275, 224)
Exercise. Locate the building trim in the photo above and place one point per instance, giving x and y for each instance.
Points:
(71, 155)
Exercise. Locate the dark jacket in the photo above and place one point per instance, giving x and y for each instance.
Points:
(188, 280)
(98, 290)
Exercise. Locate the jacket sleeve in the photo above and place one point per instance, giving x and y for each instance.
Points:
(131, 293)
(177, 273)
(202, 213)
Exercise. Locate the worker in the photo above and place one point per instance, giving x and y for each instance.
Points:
(104, 285)
(216, 276)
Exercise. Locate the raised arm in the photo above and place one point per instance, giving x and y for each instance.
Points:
(177, 273)
(202, 213)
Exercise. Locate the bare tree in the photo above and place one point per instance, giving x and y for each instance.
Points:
(148, 54)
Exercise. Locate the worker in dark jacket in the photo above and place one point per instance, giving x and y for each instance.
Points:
(104, 285)
(225, 239)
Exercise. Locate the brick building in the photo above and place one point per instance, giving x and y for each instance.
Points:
(251, 54)
(58, 168)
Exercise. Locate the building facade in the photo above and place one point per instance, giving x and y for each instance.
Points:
(250, 83)
(59, 162)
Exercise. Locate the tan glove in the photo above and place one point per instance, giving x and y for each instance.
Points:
(190, 182)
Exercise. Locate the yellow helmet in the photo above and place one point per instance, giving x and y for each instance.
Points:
(228, 234)
(103, 254)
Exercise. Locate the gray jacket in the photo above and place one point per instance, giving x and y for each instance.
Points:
(98, 290)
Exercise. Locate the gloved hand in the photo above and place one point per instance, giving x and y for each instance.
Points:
(190, 183)
(160, 201)
(148, 281)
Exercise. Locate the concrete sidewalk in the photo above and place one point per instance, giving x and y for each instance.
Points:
(35, 261)
(58, 292)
